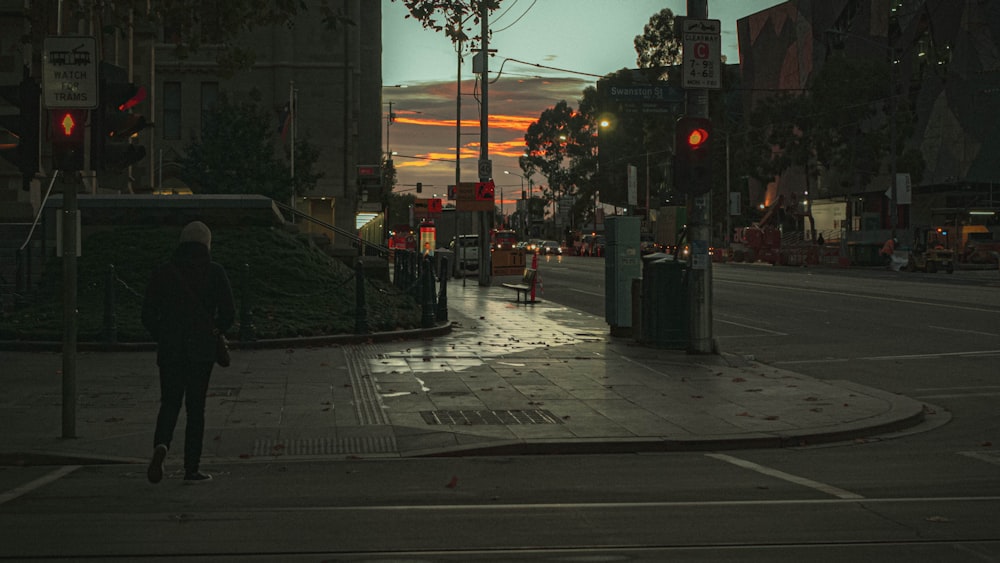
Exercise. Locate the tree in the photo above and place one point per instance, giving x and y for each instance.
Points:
(658, 46)
(236, 155)
(442, 15)
(560, 146)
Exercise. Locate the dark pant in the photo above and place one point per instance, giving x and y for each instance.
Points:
(187, 383)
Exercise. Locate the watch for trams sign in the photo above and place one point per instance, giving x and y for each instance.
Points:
(69, 72)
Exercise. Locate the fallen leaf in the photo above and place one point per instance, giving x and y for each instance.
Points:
(937, 519)
(738, 380)
(453, 483)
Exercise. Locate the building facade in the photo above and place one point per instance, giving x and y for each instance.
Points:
(945, 70)
(330, 77)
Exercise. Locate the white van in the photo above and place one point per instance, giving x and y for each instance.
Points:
(467, 253)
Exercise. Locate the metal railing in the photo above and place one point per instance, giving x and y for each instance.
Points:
(365, 248)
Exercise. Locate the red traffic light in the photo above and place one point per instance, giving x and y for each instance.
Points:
(697, 138)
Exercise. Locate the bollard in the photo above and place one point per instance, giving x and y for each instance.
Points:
(360, 315)
(248, 333)
(442, 304)
(427, 288)
(110, 320)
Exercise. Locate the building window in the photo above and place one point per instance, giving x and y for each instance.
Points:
(171, 110)
(209, 95)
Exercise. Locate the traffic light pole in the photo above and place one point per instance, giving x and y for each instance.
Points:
(69, 222)
(699, 209)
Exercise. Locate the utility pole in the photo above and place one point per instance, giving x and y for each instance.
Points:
(699, 230)
(486, 221)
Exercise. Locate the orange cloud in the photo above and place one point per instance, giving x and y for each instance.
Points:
(508, 122)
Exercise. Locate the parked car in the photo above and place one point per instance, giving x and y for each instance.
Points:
(550, 247)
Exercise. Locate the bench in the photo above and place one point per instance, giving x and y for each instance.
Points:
(526, 284)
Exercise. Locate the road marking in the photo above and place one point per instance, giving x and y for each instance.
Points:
(971, 354)
(995, 460)
(585, 292)
(957, 395)
(966, 331)
(776, 333)
(37, 483)
(873, 297)
(607, 505)
(934, 355)
(822, 487)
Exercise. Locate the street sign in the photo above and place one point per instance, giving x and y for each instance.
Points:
(69, 72)
(485, 169)
(485, 191)
(702, 63)
(465, 198)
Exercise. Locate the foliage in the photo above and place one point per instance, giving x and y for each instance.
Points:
(399, 208)
(658, 46)
(563, 144)
(837, 123)
(293, 289)
(442, 15)
(236, 155)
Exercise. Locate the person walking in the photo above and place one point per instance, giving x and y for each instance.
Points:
(188, 301)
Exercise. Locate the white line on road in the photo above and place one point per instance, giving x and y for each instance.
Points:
(863, 296)
(966, 331)
(585, 292)
(37, 483)
(934, 355)
(608, 505)
(822, 487)
(956, 395)
(776, 333)
(995, 460)
(971, 354)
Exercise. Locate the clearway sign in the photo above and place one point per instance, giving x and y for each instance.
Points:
(702, 64)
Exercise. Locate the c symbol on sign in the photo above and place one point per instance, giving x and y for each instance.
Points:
(701, 50)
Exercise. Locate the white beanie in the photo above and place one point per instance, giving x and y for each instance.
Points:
(196, 231)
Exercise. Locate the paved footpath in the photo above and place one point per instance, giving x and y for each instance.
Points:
(507, 379)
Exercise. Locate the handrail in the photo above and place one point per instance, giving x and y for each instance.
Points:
(378, 250)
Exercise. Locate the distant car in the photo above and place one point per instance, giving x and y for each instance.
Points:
(550, 247)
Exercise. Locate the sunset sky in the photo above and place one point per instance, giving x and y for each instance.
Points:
(580, 40)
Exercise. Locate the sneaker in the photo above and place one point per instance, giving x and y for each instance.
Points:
(196, 477)
(155, 470)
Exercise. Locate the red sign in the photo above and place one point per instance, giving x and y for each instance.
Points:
(434, 205)
(484, 191)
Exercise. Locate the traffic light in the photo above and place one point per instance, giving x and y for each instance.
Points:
(420, 187)
(19, 144)
(114, 124)
(67, 133)
(693, 155)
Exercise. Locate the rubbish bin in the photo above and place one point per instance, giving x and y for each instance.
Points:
(664, 321)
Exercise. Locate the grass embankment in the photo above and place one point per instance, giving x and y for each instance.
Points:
(294, 289)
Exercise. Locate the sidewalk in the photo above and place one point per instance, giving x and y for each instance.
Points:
(508, 379)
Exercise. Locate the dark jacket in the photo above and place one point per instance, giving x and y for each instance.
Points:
(182, 321)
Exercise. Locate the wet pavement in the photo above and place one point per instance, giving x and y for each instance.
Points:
(508, 378)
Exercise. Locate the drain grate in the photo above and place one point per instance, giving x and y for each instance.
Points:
(502, 417)
(325, 446)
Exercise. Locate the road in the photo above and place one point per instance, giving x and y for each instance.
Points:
(932, 493)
